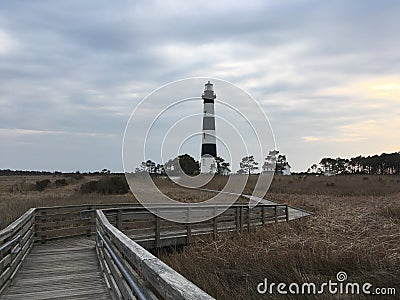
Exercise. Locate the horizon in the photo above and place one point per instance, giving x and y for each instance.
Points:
(122, 172)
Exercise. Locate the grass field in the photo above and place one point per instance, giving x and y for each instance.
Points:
(18, 194)
(355, 228)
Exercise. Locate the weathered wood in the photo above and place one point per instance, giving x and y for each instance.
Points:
(241, 218)
(215, 227)
(287, 213)
(123, 288)
(65, 273)
(110, 282)
(15, 242)
(248, 218)
(147, 229)
(189, 233)
(166, 281)
(157, 232)
(119, 219)
(263, 215)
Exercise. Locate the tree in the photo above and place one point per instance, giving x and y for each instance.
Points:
(188, 164)
(270, 161)
(313, 168)
(275, 163)
(281, 163)
(248, 164)
(159, 169)
(329, 165)
(105, 172)
(222, 166)
(150, 166)
(146, 166)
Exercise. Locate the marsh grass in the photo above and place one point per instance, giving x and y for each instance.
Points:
(352, 234)
(17, 194)
(356, 229)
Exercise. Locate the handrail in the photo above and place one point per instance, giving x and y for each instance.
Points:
(152, 231)
(135, 287)
(10, 243)
(15, 242)
(161, 280)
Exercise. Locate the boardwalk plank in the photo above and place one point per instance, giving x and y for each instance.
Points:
(60, 269)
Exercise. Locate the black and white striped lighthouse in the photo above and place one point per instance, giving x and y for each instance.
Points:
(209, 145)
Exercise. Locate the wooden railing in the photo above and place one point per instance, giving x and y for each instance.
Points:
(123, 231)
(151, 231)
(67, 221)
(15, 242)
(131, 271)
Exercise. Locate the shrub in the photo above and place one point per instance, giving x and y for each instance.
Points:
(61, 182)
(78, 176)
(108, 185)
(89, 187)
(42, 184)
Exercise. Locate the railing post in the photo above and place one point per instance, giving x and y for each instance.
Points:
(215, 224)
(119, 219)
(157, 232)
(276, 213)
(43, 229)
(189, 233)
(188, 228)
(241, 219)
(287, 213)
(263, 215)
(90, 222)
(237, 218)
(248, 218)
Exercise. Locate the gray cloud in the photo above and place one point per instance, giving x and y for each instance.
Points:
(76, 66)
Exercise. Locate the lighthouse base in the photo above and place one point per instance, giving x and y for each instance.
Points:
(208, 165)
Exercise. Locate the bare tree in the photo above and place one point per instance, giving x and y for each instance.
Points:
(248, 164)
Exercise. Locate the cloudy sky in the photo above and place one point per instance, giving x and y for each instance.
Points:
(327, 73)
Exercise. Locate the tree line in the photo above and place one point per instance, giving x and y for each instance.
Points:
(274, 162)
(384, 164)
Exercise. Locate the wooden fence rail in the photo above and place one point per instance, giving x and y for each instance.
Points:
(151, 231)
(15, 242)
(153, 279)
(123, 231)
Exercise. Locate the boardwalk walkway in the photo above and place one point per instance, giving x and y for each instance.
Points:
(60, 269)
(46, 254)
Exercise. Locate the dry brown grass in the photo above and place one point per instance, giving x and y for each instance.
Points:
(17, 194)
(343, 185)
(356, 228)
(358, 235)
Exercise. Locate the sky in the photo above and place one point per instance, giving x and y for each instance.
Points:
(327, 74)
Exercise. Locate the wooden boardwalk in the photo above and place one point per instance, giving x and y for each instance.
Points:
(60, 269)
(99, 251)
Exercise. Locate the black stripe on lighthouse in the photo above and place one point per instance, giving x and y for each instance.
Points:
(208, 123)
(209, 149)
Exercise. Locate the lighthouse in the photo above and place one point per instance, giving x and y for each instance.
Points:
(208, 145)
